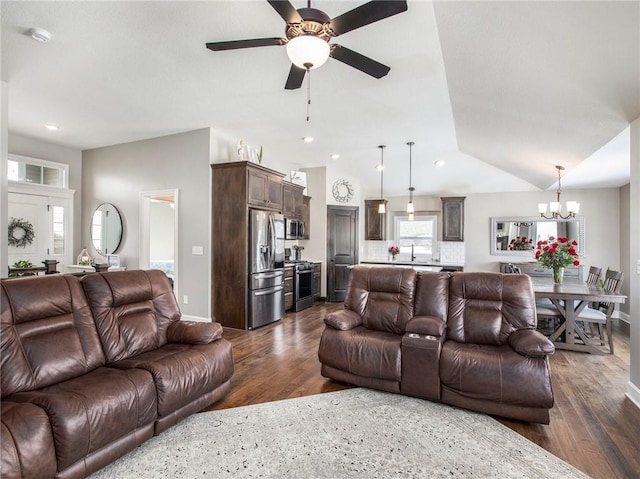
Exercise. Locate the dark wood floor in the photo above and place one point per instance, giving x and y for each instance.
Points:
(593, 426)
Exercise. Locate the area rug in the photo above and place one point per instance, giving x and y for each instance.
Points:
(355, 433)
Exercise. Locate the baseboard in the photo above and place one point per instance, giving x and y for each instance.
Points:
(633, 393)
(198, 319)
(622, 316)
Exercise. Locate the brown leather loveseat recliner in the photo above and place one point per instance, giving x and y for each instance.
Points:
(466, 339)
(92, 368)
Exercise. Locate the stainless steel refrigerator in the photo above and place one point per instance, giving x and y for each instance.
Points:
(266, 268)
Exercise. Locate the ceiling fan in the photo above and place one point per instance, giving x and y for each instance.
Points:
(308, 32)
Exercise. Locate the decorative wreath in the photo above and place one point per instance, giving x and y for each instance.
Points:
(20, 240)
(342, 191)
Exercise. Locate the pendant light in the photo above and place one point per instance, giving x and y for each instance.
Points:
(381, 207)
(554, 206)
(410, 207)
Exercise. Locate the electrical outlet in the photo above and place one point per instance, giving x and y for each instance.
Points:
(185, 299)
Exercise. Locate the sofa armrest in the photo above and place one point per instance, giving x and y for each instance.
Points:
(428, 325)
(531, 343)
(344, 320)
(193, 332)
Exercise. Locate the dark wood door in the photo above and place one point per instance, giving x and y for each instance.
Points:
(342, 249)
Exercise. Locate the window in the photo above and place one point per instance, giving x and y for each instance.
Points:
(57, 225)
(23, 169)
(421, 233)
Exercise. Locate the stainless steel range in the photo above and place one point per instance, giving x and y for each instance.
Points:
(302, 285)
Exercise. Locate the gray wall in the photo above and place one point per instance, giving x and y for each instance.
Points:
(25, 146)
(117, 174)
(600, 207)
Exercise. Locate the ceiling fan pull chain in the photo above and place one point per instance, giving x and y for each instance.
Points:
(308, 92)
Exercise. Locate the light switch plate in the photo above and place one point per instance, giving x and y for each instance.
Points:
(197, 250)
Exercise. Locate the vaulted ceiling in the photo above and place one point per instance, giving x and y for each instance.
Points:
(502, 91)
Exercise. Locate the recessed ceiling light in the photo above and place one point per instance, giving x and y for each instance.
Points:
(307, 139)
(439, 163)
(51, 127)
(40, 34)
(335, 156)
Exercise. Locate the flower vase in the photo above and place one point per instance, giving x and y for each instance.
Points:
(558, 275)
(393, 257)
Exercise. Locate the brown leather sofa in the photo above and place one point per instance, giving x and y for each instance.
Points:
(92, 368)
(466, 339)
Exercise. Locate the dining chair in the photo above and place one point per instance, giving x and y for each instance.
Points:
(594, 275)
(600, 315)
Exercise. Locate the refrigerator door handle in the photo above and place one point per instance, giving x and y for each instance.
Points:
(272, 241)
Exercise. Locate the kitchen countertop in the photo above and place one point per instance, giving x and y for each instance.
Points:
(413, 263)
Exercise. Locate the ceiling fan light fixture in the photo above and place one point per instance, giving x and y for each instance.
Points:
(308, 51)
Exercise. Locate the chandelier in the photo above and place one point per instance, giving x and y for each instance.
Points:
(410, 207)
(555, 207)
(381, 207)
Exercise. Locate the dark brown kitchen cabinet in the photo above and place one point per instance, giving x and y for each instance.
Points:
(236, 187)
(264, 187)
(292, 200)
(288, 288)
(375, 224)
(453, 218)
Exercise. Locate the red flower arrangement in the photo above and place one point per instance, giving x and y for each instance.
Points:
(521, 244)
(393, 251)
(557, 254)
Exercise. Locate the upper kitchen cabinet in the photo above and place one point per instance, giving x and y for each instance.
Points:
(375, 224)
(292, 201)
(453, 218)
(264, 187)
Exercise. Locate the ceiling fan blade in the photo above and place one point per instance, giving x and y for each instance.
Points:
(235, 44)
(366, 14)
(359, 61)
(295, 78)
(287, 11)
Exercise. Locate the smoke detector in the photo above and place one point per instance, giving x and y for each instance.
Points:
(40, 34)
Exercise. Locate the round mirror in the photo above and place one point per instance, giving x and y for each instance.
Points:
(106, 229)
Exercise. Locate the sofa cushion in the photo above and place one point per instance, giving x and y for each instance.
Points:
(495, 373)
(27, 442)
(94, 410)
(382, 296)
(132, 310)
(432, 295)
(47, 331)
(183, 372)
(485, 308)
(362, 352)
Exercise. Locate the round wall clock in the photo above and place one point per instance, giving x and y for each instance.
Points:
(342, 191)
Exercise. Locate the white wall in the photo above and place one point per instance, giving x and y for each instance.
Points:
(161, 219)
(4, 188)
(634, 266)
(315, 248)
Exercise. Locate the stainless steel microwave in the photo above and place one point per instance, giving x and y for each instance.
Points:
(294, 229)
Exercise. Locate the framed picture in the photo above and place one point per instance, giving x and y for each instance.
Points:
(113, 259)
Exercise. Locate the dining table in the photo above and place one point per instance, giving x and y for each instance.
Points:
(570, 298)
